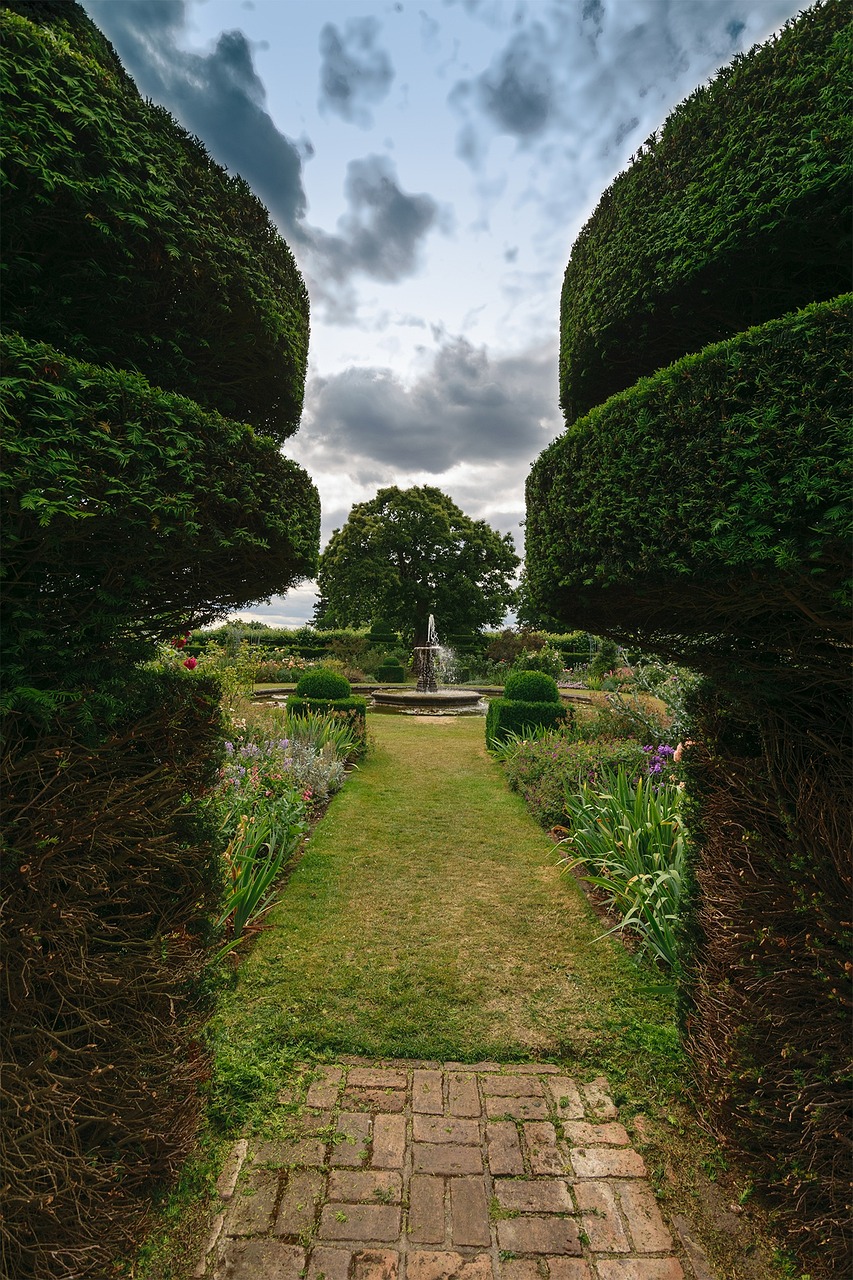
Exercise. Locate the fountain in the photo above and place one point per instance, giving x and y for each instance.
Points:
(427, 698)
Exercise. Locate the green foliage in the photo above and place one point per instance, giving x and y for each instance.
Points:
(390, 673)
(351, 712)
(605, 659)
(505, 716)
(408, 553)
(156, 510)
(107, 258)
(531, 686)
(254, 859)
(737, 212)
(708, 499)
(628, 835)
(548, 660)
(319, 682)
(545, 770)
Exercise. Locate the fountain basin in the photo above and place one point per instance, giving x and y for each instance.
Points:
(423, 700)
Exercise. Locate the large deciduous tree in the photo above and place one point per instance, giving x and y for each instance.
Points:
(409, 553)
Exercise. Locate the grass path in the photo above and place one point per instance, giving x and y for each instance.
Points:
(428, 919)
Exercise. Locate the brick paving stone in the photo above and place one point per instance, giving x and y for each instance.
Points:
(439, 1157)
(568, 1269)
(540, 1139)
(473, 1066)
(324, 1092)
(375, 1264)
(251, 1208)
(581, 1134)
(463, 1098)
(647, 1227)
(639, 1269)
(329, 1264)
(426, 1209)
(469, 1212)
(522, 1269)
(374, 1100)
(535, 1234)
(600, 1217)
(448, 1266)
(607, 1162)
(356, 1131)
(389, 1142)
(427, 1092)
(298, 1207)
(360, 1222)
(535, 1068)
(308, 1150)
(376, 1078)
(375, 1187)
(533, 1195)
(696, 1254)
(567, 1098)
(598, 1099)
(260, 1260)
(512, 1086)
(521, 1108)
(504, 1148)
(445, 1129)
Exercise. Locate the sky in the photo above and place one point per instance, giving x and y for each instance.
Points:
(430, 165)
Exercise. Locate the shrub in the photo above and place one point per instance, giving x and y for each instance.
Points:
(547, 770)
(351, 711)
(321, 683)
(506, 716)
(531, 686)
(390, 672)
(546, 659)
(606, 658)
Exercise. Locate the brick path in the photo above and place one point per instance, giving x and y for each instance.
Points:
(407, 1171)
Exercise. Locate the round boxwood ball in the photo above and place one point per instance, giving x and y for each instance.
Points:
(531, 686)
(320, 683)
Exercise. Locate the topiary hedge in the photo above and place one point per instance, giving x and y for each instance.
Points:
(704, 515)
(390, 673)
(689, 512)
(531, 686)
(105, 256)
(320, 683)
(737, 212)
(510, 715)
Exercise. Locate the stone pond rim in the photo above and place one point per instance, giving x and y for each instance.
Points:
(423, 699)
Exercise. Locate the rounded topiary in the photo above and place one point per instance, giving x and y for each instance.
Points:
(531, 686)
(320, 683)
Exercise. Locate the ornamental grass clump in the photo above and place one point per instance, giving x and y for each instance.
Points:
(627, 837)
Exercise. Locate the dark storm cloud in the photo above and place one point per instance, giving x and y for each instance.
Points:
(353, 71)
(467, 407)
(515, 93)
(216, 95)
(220, 97)
(381, 234)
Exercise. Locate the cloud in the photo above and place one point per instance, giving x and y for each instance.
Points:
(220, 97)
(381, 233)
(466, 407)
(516, 91)
(353, 71)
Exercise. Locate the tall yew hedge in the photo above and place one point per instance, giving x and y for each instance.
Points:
(703, 512)
(154, 348)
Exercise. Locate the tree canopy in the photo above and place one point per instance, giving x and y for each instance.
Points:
(409, 553)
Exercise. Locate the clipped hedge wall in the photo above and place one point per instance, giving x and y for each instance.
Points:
(352, 710)
(155, 509)
(531, 686)
(107, 258)
(506, 716)
(738, 212)
(705, 505)
(392, 673)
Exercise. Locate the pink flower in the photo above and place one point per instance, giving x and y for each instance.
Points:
(190, 664)
(307, 793)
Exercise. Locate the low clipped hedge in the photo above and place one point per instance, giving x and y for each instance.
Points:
(506, 716)
(352, 710)
(323, 684)
(704, 505)
(531, 686)
(738, 212)
(392, 673)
